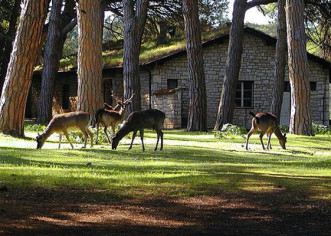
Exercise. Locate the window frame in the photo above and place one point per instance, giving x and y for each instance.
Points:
(242, 95)
(172, 80)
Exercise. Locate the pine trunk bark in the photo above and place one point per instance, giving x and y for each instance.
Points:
(8, 44)
(90, 24)
(280, 61)
(52, 56)
(197, 117)
(301, 121)
(227, 102)
(134, 21)
(27, 47)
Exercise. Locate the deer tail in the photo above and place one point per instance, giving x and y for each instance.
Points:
(252, 113)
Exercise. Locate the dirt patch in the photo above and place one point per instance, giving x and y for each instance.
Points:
(70, 212)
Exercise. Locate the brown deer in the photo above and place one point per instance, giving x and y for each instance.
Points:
(111, 118)
(267, 123)
(64, 122)
(139, 120)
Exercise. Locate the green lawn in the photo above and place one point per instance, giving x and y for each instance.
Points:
(190, 165)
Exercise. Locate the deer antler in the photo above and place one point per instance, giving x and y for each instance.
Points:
(129, 100)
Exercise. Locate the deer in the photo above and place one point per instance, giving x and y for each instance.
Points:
(106, 107)
(106, 117)
(139, 120)
(268, 124)
(62, 123)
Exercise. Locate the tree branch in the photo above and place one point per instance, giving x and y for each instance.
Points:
(255, 3)
(69, 26)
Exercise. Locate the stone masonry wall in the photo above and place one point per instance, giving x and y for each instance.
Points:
(257, 66)
(170, 104)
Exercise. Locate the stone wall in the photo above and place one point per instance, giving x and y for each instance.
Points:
(257, 66)
(169, 101)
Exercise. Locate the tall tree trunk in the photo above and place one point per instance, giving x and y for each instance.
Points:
(8, 44)
(226, 107)
(134, 21)
(280, 61)
(301, 122)
(197, 117)
(52, 55)
(26, 49)
(89, 55)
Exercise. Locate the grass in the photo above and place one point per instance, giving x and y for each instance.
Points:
(149, 51)
(191, 164)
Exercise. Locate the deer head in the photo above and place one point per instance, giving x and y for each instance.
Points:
(282, 141)
(40, 140)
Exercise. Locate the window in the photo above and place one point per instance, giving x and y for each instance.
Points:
(65, 96)
(244, 94)
(313, 86)
(172, 83)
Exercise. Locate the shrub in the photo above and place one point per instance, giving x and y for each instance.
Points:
(35, 128)
(284, 128)
(321, 129)
(229, 130)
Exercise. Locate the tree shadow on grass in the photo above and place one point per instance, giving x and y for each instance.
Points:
(89, 212)
(193, 191)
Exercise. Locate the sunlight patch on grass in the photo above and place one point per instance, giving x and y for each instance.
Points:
(191, 164)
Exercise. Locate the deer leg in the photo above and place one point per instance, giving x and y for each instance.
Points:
(249, 134)
(261, 136)
(107, 134)
(85, 137)
(60, 139)
(96, 141)
(141, 132)
(133, 137)
(159, 134)
(269, 143)
(67, 136)
(91, 135)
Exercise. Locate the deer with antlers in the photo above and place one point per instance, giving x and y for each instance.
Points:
(112, 118)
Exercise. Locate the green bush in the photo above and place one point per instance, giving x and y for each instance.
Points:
(35, 128)
(284, 128)
(321, 129)
(229, 130)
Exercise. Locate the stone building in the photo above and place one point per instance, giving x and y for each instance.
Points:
(164, 83)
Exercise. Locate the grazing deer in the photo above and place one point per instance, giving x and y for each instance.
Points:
(64, 122)
(267, 123)
(111, 118)
(139, 120)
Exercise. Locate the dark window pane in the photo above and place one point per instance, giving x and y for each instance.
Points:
(248, 94)
(239, 86)
(238, 94)
(313, 86)
(238, 102)
(248, 85)
(247, 103)
(172, 83)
